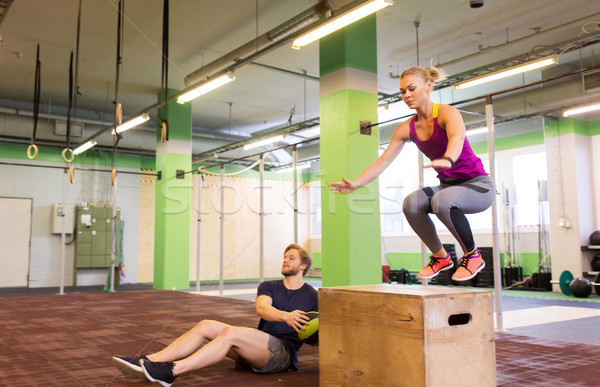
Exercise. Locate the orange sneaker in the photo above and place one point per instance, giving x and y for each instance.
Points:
(469, 267)
(436, 265)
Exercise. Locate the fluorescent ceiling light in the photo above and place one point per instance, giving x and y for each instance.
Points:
(206, 87)
(82, 148)
(290, 169)
(508, 72)
(475, 131)
(132, 123)
(341, 22)
(583, 109)
(263, 142)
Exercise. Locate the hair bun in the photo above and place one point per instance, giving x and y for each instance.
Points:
(437, 75)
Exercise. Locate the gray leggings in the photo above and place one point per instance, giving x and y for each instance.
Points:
(449, 203)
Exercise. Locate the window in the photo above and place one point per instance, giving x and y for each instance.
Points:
(315, 209)
(402, 177)
(483, 220)
(525, 186)
(398, 180)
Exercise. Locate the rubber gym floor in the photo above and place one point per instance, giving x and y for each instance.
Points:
(68, 340)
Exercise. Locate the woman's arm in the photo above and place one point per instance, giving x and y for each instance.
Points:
(399, 138)
(451, 121)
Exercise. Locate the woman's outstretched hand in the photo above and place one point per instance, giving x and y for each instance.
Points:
(345, 186)
(438, 164)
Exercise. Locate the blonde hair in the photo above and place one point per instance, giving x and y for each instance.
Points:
(431, 74)
(304, 256)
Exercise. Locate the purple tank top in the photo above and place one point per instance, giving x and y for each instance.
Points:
(467, 166)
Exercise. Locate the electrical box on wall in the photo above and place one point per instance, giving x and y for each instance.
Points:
(58, 213)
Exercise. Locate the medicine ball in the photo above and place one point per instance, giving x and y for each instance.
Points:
(310, 334)
(595, 238)
(596, 263)
(580, 287)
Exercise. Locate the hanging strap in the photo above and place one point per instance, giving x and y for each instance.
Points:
(67, 152)
(164, 83)
(164, 72)
(76, 81)
(118, 106)
(70, 110)
(32, 150)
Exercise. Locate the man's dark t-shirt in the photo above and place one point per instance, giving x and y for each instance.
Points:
(304, 299)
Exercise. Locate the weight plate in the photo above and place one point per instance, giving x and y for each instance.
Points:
(597, 281)
(565, 280)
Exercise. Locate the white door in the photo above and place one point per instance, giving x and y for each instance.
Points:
(15, 234)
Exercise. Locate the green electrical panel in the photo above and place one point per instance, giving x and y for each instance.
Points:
(94, 236)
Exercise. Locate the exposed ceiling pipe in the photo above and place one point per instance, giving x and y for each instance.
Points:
(26, 113)
(254, 54)
(297, 22)
(535, 35)
(285, 71)
(540, 101)
(197, 132)
(61, 145)
(575, 43)
(265, 133)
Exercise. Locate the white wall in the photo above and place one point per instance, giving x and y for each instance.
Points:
(45, 187)
(241, 236)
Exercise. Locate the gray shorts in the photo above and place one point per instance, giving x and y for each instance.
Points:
(279, 360)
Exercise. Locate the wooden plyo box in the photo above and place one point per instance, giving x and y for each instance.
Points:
(406, 335)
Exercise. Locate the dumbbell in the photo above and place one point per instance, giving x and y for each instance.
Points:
(578, 287)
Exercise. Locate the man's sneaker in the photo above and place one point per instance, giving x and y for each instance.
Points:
(129, 365)
(160, 371)
(469, 267)
(435, 265)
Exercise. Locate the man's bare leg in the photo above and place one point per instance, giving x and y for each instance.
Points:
(189, 342)
(251, 344)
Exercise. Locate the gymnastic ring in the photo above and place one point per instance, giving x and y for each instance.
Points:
(113, 177)
(35, 151)
(163, 131)
(72, 174)
(64, 155)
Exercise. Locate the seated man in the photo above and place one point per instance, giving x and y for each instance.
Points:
(272, 347)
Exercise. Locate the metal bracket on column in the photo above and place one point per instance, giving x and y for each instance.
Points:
(365, 127)
(158, 175)
(180, 174)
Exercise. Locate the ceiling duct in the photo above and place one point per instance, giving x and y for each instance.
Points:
(292, 25)
(591, 81)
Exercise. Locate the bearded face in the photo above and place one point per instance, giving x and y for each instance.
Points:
(290, 271)
(292, 263)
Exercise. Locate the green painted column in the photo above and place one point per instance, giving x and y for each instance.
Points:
(173, 198)
(351, 236)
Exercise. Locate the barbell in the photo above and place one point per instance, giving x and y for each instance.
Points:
(578, 287)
